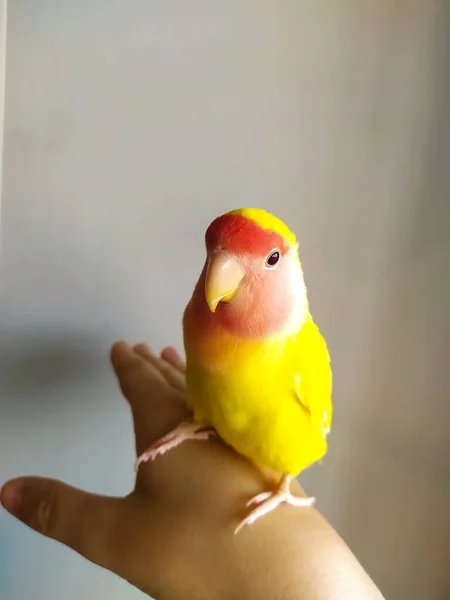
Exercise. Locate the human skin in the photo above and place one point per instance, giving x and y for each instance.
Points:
(173, 535)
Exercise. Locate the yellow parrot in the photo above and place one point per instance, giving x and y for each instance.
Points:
(257, 367)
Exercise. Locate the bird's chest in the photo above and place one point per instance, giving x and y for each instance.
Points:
(238, 390)
(255, 412)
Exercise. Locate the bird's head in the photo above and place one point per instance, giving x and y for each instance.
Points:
(253, 281)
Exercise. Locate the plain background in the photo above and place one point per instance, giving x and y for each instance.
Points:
(128, 127)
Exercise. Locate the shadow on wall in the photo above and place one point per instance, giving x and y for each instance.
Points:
(39, 362)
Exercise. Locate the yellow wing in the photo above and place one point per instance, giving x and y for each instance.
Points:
(313, 381)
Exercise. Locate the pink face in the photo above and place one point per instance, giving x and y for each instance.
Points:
(272, 287)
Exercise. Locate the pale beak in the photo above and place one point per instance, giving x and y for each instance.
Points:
(223, 277)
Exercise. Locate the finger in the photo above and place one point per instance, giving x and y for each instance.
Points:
(126, 358)
(135, 377)
(85, 522)
(155, 405)
(170, 372)
(176, 374)
(171, 355)
(173, 376)
(144, 351)
(121, 353)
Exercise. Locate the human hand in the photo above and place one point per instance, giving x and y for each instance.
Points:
(167, 534)
(173, 535)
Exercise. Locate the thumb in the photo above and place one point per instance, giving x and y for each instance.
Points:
(84, 522)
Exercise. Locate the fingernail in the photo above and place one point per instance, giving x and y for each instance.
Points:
(11, 496)
(122, 344)
(142, 346)
(170, 352)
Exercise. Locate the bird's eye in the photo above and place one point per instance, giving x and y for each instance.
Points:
(273, 259)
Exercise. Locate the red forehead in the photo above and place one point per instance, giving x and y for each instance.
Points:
(239, 234)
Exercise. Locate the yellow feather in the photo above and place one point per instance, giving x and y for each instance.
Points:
(269, 399)
(272, 402)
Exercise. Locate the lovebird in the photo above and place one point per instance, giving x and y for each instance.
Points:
(258, 370)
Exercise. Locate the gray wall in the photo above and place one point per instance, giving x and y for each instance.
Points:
(129, 126)
(2, 78)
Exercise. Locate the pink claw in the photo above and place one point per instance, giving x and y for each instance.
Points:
(187, 430)
(268, 501)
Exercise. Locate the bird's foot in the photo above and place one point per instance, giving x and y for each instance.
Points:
(268, 501)
(187, 430)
